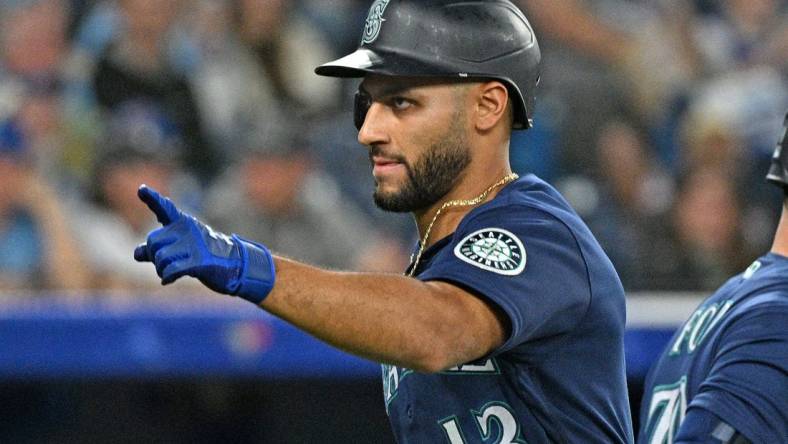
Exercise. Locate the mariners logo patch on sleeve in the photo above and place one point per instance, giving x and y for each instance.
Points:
(493, 249)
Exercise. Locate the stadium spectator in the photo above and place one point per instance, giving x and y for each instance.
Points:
(34, 53)
(634, 196)
(286, 47)
(37, 249)
(228, 78)
(135, 67)
(140, 145)
(707, 226)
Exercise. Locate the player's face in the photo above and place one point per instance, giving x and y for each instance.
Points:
(415, 131)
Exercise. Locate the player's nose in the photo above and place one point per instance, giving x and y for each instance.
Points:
(373, 131)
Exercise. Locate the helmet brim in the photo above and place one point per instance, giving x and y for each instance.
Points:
(355, 64)
(365, 61)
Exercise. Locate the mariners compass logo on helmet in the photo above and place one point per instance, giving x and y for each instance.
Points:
(374, 21)
(493, 249)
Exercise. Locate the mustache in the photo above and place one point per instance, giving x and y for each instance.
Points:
(377, 151)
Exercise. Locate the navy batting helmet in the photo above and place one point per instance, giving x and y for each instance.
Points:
(469, 39)
(778, 172)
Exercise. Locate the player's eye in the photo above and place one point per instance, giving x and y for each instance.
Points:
(400, 103)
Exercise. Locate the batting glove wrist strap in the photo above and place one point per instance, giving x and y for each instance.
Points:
(257, 274)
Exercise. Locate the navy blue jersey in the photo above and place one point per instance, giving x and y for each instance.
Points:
(730, 359)
(559, 377)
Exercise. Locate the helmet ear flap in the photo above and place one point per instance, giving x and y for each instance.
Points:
(361, 104)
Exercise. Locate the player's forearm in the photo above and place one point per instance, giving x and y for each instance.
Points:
(383, 317)
(425, 326)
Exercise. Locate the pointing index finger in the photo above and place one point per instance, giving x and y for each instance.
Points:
(166, 212)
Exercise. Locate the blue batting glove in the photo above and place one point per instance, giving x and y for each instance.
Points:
(185, 246)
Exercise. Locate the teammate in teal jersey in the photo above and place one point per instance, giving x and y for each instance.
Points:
(723, 378)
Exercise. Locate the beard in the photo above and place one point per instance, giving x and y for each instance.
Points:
(431, 176)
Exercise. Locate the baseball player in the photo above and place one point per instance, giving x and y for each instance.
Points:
(723, 378)
(508, 325)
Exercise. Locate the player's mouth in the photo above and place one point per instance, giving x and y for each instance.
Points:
(382, 166)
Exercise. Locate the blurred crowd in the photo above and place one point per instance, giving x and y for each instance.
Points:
(655, 118)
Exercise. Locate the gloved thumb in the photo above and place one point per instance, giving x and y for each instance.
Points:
(141, 253)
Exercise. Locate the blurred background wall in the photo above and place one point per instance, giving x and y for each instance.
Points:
(655, 118)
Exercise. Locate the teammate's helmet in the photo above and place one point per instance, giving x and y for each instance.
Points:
(778, 172)
(469, 39)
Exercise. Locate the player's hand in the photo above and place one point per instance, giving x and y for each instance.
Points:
(185, 246)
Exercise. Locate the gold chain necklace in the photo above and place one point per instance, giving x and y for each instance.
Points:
(457, 203)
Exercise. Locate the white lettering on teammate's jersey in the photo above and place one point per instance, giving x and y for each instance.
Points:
(666, 412)
(699, 325)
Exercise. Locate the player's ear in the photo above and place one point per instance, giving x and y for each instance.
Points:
(492, 105)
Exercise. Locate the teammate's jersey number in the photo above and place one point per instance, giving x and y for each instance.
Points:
(492, 417)
(666, 412)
